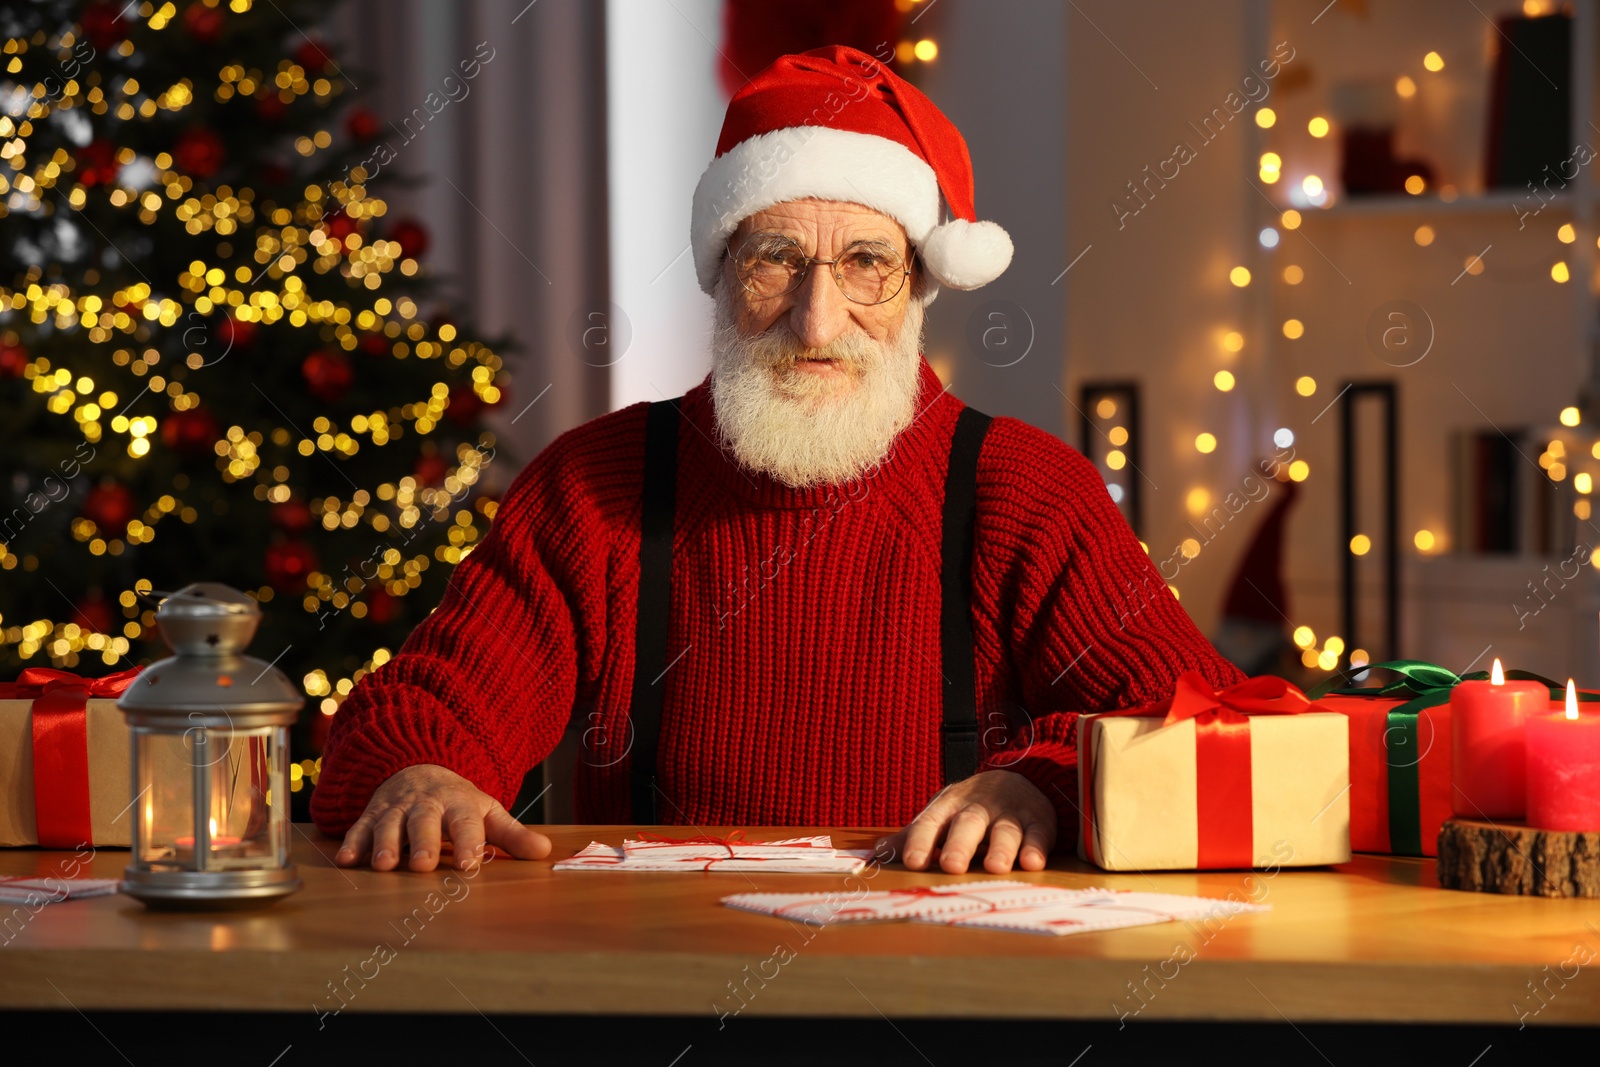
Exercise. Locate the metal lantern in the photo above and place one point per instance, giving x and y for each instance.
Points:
(210, 730)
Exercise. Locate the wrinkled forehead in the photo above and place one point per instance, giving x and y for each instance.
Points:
(823, 225)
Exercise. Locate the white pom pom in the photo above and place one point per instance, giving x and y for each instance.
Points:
(965, 255)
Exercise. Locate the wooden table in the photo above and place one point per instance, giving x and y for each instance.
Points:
(1374, 940)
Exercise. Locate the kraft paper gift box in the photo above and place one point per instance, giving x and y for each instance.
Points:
(69, 731)
(1244, 777)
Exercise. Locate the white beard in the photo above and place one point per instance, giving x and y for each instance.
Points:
(806, 429)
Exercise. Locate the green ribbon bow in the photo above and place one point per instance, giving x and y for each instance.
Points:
(1422, 685)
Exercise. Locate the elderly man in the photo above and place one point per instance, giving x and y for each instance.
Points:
(817, 589)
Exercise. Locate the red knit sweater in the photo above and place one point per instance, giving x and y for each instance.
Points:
(803, 685)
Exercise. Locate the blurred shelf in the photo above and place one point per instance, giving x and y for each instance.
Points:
(1402, 205)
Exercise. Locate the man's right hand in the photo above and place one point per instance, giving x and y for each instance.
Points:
(421, 805)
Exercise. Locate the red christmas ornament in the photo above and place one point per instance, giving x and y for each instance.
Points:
(236, 333)
(13, 360)
(328, 374)
(192, 434)
(199, 151)
(97, 163)
(94, 614)
(362, 124)
(374, 344)
(382, 608)
(270, 107)
(110, 506)
(466, 406)
(292, 516)
(411, 237)
(103, 24)
(313, 56)
(287, 563)
(339, 226)
(431, 468)
(203, 23)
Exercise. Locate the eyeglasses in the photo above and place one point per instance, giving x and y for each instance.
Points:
(868, 272)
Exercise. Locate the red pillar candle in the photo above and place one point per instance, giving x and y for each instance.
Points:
(1488, 758)
(1564, 769)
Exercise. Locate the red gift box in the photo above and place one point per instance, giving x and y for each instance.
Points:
(1404, 756)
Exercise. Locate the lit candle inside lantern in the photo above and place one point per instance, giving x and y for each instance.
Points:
(1564, 768)
(216, 842)
(1488, 756)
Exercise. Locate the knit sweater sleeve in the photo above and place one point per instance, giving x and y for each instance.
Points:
(486, 683)
(1080, 611)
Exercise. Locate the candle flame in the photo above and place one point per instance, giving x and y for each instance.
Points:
(1572, 700)
(213, 829)
(1497, 676)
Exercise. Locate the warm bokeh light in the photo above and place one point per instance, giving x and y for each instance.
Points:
(1223, 380)
(1473, 265)
(927, 50)
(1116, 460)
(1318, 126)
(1304, 637)
(1583, 482)
(1294, 329)
(1299, 470)
(1239, 276)
(1312, 185)
(1415, 185)
(1424, 540)
(1566, 234)
(1306, 385)
(1266, 117)
(1293, 274)
(1291, 219)
(1205, 442)
(1433, 61)
(1233, 340)
(1118, 436)
(1569, 417)
(1106, 408)
(1423, 236)
(1198, 500)
(1404, 86)
(1360, 545)
(1560, 273)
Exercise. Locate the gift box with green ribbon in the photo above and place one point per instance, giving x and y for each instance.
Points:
(1400, 751)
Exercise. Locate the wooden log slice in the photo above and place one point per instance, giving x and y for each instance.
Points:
(1509, 858)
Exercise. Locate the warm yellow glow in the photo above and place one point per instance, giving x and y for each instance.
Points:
(1558, 471)
(927, 50)
(1405, 87)
(1569, 417)
(1116, 460)
(1582, 509)
(1327, 661)
(1566, 234)
(1415, 185)
(1118, 435)
(1334, 644)
(1497, 674)
(1291, 219)
(1106, 408)
(1205, 443)
(1433, 61)
(1271, 161)
(1424, 540)
(1223, 380)
(1190, 548)
(1304, 637)
(1312, 185)
(1233, 340)
(1294, 329)
(1560, 273)
(1305, 385)
(1360, 545)
(1423, 236)
(1583, 482)
(1473, 265)
(1198, 500)
(1534, 8)
(1318, 126)
(1299, 470)
(1572, 700)
(1239, 276)
(1359, 657)
(1266, 117)
(1270, 176)
(1293, 274)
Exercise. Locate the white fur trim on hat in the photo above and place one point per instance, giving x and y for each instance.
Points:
(965, 255)
(812, 161)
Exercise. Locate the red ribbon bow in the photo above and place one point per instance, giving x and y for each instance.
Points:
(61, 747)
(1223, 800)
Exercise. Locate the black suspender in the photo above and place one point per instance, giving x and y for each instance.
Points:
(959, 726)
(655, 591)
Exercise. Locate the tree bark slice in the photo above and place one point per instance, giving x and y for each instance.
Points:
(1507, 858)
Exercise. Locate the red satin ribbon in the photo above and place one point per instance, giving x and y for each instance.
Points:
(61, 747)
(1223, 801)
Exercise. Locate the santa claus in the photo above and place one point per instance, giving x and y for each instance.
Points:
(817, 589)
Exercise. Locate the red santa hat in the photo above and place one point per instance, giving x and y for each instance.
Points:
(836, 124)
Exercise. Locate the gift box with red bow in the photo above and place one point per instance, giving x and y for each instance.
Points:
(1247, 776)
(64, 755)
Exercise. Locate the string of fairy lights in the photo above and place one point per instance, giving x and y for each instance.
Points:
(320, 235)
(1563, 451)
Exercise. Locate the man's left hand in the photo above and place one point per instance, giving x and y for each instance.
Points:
(1002, 806)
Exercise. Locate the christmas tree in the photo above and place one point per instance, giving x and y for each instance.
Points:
(216, 355)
